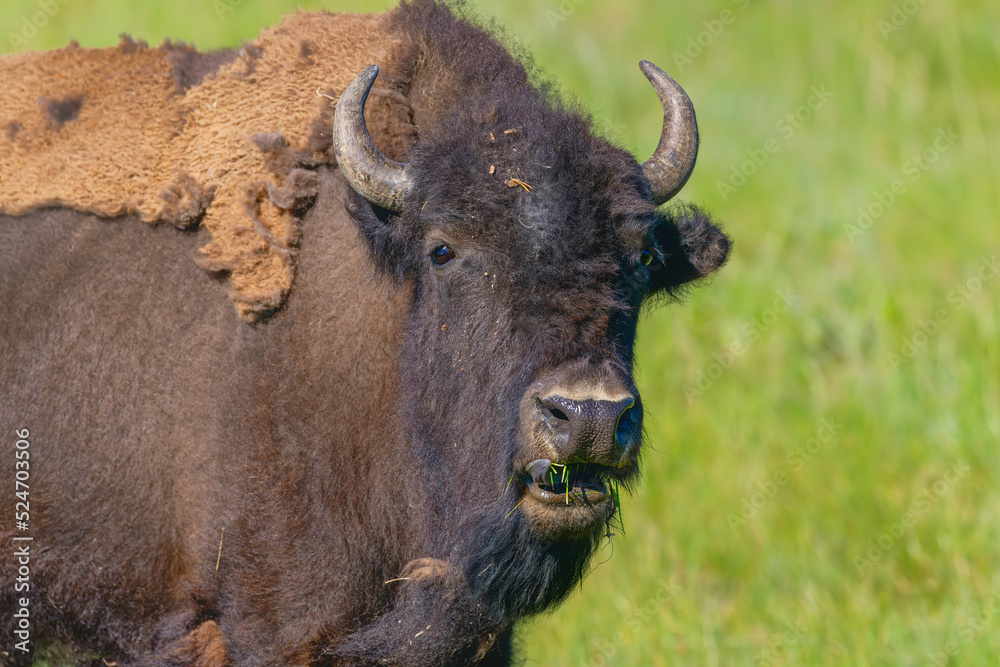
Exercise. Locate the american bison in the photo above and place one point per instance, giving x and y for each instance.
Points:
(410, 431)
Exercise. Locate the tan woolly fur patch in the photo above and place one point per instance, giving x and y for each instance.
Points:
(225, 140)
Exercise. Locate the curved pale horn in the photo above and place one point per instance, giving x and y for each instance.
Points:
(674, 157)
(378, 179)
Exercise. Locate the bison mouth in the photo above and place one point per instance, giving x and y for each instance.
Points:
(568, 501)
(559, 484)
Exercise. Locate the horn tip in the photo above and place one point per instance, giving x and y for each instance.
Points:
(653, 72)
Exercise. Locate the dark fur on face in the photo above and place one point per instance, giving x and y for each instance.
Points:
(547, 223)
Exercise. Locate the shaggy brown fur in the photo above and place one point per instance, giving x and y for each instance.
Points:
(176, 136)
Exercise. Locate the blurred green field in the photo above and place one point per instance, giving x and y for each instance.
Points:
(824, 418)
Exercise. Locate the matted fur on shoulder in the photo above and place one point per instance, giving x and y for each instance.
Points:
(223, 139)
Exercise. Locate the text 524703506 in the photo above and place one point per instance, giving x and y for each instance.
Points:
(23, 465)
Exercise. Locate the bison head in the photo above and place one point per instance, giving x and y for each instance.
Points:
(530, 245)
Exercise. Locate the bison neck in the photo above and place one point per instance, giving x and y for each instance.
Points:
(315, 427)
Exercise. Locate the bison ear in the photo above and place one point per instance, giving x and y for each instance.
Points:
(693, 247)
(384, 237)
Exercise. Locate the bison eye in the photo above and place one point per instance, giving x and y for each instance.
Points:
(442, 254)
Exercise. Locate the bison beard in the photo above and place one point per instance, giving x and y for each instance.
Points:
(339, 478)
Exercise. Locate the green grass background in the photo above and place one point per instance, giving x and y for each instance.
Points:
(685, 587)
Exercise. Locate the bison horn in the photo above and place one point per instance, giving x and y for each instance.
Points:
(672, 162)
(378, 179)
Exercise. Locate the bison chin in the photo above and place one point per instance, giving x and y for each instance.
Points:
(555, 522)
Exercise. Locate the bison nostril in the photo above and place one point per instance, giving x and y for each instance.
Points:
(625, 428)
(557, 421)
(554, 413)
